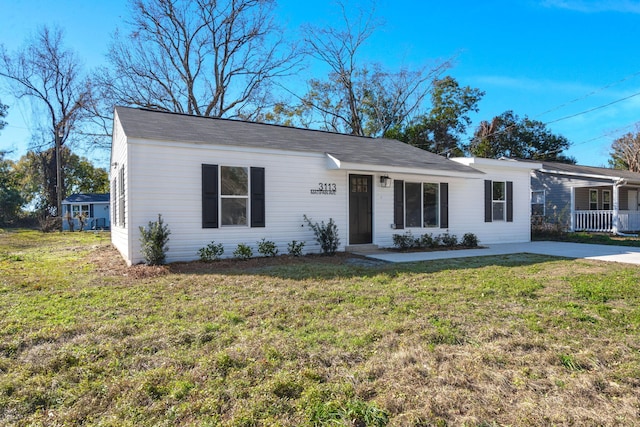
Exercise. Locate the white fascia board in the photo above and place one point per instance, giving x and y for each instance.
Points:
(581, 175)
(334, 163)
(504, 163)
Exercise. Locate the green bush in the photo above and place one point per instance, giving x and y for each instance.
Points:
(243, 252)
(154, 242)
(267, 248)
(470, 240)
(211, 252)
(428, 240)
(326, 235)
(295, 248)
(449, 240)
(404, 241)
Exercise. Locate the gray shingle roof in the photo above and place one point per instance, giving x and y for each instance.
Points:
(591, 170)
(163, 126)
(87, 198)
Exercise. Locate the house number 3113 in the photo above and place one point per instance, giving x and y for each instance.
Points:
(327, 186)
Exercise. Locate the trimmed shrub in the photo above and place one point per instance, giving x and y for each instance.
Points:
(243, 252)
(154, 242)
(267, 248)
(470, 240)
(449, 240)
(295, 248)
(404, 241)
(326, 235)
(212, 252)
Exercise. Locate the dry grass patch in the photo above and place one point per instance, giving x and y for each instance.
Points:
(516, 340)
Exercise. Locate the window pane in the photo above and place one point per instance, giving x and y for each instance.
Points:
(430, 204)
(234, 181)
(498, 211)
(414, 205)
(593, 196)
(234, 211)
(537, 210)
(498, 191)
(537, 197)
(606, 197)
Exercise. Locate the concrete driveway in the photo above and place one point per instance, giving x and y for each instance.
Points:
(624, 254)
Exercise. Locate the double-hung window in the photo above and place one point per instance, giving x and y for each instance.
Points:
(77, 210)
(234, 195)
(537, 203)
(593, 200)
(606, 200)
(423, 204)
(499, 199)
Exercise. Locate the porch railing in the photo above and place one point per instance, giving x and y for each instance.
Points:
(602, 221)
(89, 224)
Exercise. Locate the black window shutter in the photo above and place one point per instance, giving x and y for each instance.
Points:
(444, 205)
(509, 201)
(488, 201)
(91, 210)
(257, 197)
(209, 196)
(398, 204)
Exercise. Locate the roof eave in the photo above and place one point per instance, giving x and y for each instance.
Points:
(335, 163)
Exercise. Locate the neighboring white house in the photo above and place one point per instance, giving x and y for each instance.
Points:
(94, 208)
(235, 182)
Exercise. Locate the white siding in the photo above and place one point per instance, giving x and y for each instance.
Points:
(466, 206)
(120, 236)
(166, 179)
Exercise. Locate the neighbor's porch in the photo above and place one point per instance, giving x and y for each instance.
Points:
(606, 209)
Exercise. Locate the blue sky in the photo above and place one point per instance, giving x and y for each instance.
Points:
(572, 64)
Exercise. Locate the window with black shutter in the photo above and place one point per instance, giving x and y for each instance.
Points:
(233, 196)
(498, 201)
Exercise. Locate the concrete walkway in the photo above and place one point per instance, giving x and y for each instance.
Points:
(624, 254)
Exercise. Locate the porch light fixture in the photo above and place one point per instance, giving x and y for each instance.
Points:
(385, 181)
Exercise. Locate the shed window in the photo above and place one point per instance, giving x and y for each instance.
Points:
(77, 210)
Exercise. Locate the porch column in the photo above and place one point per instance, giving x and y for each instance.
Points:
(572, 214)
(616, 208)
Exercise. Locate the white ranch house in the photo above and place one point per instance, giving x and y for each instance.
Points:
(235, 182)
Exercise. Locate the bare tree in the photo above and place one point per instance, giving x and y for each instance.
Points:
(51, 78)
(360, 99)
(203, 57)
(625, 151)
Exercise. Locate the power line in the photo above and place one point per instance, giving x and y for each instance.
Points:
(630, 76)
(593, 109)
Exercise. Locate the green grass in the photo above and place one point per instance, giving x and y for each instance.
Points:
(592, 238)
(510, 340)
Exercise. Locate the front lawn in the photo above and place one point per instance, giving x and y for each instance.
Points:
(521, 340)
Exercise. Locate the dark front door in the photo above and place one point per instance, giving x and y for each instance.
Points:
(360, 206)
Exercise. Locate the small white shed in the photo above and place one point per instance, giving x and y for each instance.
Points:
(234, 182)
